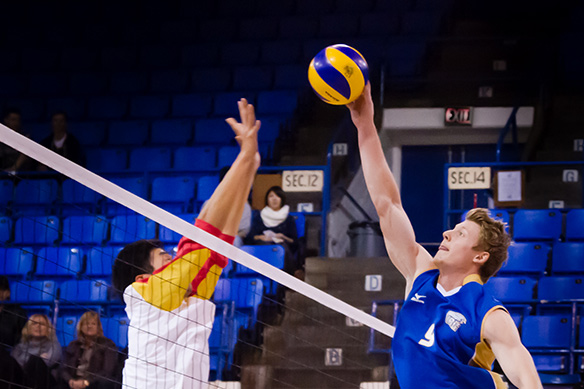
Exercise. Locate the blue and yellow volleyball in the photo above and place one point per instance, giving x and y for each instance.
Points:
(338, 74)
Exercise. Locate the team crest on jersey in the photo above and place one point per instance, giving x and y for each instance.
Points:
(454, 320)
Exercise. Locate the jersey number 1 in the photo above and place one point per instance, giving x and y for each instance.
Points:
(428, 340)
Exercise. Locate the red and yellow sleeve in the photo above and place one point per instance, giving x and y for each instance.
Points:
(194, 265)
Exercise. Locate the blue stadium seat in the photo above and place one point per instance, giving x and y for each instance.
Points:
(129, 228)
(537, 224)
(33, 292)
(329, 26)
(225, 104)
(173, 193)
(119, 58)
(213, 131)
(205, 187)
(31, 109)
(528, 258)
(130, 133)
(135, 185)
(279, 53)
(83, 292)
(169, 236)
(84, 230)
(247, 78)
(88, 133)
(36, 230)
(5, 229)
(150, 158)
(211, 80)
(78, 198)
(132, 82)
(159, 57)
(78, 58)
(512, 289)
(171, 131)
(298, 27)
(100, 261)
(556, 288)
(74, 107)
(116, 328)
(87, 84)
(195, 158)
(271, 126)
(300, 220)
(290, 76)
(575, 224)
(17, 261)
(59, 262)
(191, 105)
(277, 102)
(271, 254)
(258, 29)
(568, 258)
(6, 192)
(227, 155)
(108, 160)
(66, 329)
(149, 107)
(247, 293)
(174, 81)
(199, 55)
(108, 107)
(546, 335)
(35, 196)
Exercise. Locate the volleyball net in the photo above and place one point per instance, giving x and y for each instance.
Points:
(268, 328)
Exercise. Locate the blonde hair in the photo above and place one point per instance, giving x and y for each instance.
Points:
(84, 319)
(492, 238)
(37, 317)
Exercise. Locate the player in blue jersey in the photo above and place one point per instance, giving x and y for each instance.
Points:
(449, 330)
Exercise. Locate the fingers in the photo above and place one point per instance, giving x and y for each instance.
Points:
(232, 122)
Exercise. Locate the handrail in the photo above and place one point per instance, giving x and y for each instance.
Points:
(511, 124)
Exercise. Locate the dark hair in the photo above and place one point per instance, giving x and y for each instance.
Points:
(10, 110)
(4, 284)
(133, 260)
(279, 192)
(60, 113)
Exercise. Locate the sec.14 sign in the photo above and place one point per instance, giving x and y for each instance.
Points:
(469, 178)
(302, 180)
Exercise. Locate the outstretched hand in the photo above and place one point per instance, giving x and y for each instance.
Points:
(247, 130)
(362, 109)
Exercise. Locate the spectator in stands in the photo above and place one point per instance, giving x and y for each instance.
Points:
(245, 223)
(38, 352)
(62, 142)
(274, 225)
(91, 360)
(10, 159)
(12, 317)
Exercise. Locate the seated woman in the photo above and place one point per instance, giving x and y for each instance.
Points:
(38, 352)
(90, 361)
(275, 225)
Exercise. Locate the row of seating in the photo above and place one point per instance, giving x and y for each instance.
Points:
(542, 224)
(535, 259)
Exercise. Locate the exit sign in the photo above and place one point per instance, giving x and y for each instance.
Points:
(458, 116)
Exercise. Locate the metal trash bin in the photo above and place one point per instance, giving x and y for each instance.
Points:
(366, 240)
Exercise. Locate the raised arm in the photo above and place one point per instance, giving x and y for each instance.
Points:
(408, 257)
(503, 338)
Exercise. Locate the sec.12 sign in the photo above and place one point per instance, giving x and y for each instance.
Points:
(458, 116)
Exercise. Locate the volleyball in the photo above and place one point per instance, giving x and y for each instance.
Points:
(338, 74)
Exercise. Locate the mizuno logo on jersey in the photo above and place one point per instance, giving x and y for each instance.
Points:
(418, 298)
(454, 320)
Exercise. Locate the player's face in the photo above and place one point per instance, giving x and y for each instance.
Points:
(457, 249)
(159, 258)
(274, 201)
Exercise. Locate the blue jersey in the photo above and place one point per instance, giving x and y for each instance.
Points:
(438, 340)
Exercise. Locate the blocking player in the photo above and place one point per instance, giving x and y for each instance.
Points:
(449, 328)
(167, 300)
